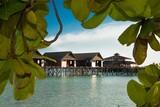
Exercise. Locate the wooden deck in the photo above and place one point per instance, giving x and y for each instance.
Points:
(88, 71)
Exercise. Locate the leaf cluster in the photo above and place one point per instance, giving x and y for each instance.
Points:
(147, 92)
(22, 33)
(144, 13)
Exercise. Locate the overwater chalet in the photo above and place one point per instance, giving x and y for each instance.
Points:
(37, 58)
(63, 59)
(88, 59)
(118, 61)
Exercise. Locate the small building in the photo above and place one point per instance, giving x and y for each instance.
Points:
(118, 61)
(89, 59)
(63, 59)
(38, 58)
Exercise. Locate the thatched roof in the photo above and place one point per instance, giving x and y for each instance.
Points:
(38, 55)
(116, 56)
(58, 56)
(119, 62)
(87, 56)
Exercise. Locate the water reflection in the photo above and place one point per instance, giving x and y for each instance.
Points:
(93, 82)
(75, 92)
(93, 89)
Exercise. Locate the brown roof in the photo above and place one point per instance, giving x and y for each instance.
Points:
(116, 56)
(130, 62)
(119, 62)
(38, 55)
(58, 56)
(87, 56)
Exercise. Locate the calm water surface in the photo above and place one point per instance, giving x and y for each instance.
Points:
(75, 92)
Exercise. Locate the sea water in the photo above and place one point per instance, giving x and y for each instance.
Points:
(91, 91)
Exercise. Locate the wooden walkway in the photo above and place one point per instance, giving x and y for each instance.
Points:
(88, 71)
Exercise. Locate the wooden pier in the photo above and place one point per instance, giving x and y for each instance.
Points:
(89, 71)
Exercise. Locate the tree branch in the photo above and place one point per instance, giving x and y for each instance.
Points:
(13, 37)
(19, 24)
(59, 22)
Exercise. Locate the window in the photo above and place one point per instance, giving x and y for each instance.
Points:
(71, 62)
(38, 61)
(97, 62)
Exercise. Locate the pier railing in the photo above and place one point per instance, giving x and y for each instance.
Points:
(88, 71)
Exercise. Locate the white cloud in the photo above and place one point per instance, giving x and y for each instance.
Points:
(102, 39)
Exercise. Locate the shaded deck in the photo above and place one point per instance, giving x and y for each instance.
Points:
(89, 71)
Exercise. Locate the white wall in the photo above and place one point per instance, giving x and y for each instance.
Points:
(133, 65)
(93, 64)
(42, 63)
(64, 64)
(101, 63)
(75, 64)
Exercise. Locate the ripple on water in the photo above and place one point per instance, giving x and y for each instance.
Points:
(74, 92)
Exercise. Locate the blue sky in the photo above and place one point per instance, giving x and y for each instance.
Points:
(103, 39)
(67, 18)
(69, 22)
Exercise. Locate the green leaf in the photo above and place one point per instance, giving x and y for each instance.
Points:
(153, 70)
(39, 72)
(102, 1)
(11, 78)
(80, 9)
(129, 35)
(8, 27)
(153, 95)
(95, 6)
(119, 14)
(21, 82)
(41, 13)
(20, 49)
(26, 56)
(140, 50)
(42, 26)
(41, 23)
(26, 92)
(17, 66)
(43, 45)
(34, 44)
(21, 74)
(154, 43)
(148, 76)
(4, 42)
(2, 86)
(34, 68)
(98, 7)
(25, 0)
(133, 7)
(43, 1)
(4, 70)
(95, 20)
(10, 8)
(157, 27)
(67, 3)
(147, 29)
(147, 12)
(155, 6)
(31, 17)
(136, 93)
(41, 6)
(30, 31)
(145, 79)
